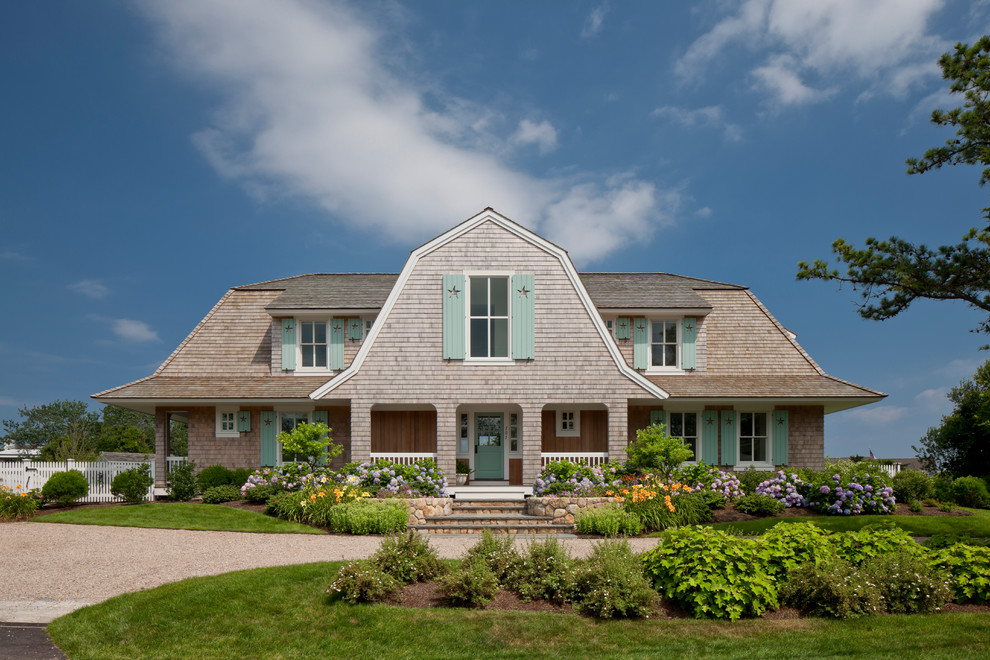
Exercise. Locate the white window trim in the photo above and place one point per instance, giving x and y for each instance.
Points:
(231, 410)
(468, 358)
(570, 433)
(299, 361)
(763, 466)
(678, 321)
(697, 430)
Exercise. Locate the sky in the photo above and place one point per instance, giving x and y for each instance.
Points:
(156, 154)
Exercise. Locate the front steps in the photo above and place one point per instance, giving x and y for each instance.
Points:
(496, 516)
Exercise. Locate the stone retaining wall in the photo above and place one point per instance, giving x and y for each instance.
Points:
(562, 509)
(422, 508)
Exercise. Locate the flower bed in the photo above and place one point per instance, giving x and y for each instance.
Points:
(854, 494)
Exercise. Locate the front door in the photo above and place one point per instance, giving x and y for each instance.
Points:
(488, 446)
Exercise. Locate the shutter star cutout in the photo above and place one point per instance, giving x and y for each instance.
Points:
(243, 418)
(268, 422)
(689, 327)
(453, 291)
(523, 292)
(288, 328)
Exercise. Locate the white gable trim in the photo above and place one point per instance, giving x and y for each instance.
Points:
(523, 233)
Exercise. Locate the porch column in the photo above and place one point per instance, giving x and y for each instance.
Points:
(532, 442)
(618, 429)
(161, 446)
(447, 434)
(360, 431)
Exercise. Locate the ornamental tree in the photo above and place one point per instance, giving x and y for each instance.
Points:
(311, 443)
(654, 450)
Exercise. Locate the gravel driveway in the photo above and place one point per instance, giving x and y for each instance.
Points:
(47, 570)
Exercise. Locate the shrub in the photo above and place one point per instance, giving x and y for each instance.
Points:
(750, 479)
(759, 505)
(787, 487)
(873, 541)
(940, 540)
(851, 494)
(18, 504)
(182, 485)
(64, 488)
(498, 552)
(567, 478)
(711, 573)
(970, 491)
(702, 477)
(311, 443)
(545, 571)
(713, 500)
(791, 545)
(942, 487)
(385, 478)
(833, 589)
(610, 583)
(214, 475)
(363, 582)
(132, 485)
(660, 507)
(221, 494)
(908, 583)
(288, 476)
(471, 585)
(910, 485)
(240, 477)
(915, 506)
(969, 570)
(368, 517)
(408, 558)
(259, 494)
(654, 450)
(608, 521)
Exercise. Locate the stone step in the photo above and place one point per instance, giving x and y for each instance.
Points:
(476, 508)
(477, 529)
(488, 519)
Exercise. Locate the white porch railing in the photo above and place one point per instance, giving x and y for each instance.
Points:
(591, 458)
(99, 475)
(402, 458)
(172, 461)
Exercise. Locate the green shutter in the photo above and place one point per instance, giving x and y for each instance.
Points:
(454, 295)
(243, 421)
(336, 343)
(269, 429)
(658, 417)
(354, 328)
(780, 424)
(729, 437)
(622, 325)
(689, 330)
(522, 317)
(709, 437)
(288, 344)
(641, 343)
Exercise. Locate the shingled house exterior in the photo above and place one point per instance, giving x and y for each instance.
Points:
(489, 347)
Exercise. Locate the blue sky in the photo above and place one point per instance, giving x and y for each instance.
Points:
(155, 154)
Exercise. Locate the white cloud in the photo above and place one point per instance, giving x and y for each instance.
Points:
(13, 254)
(876, 415)
(883, 45)
(710, 116)
(544, 135)
(934, 400)
(9, 401)
(90, 288)
(311, 109)
(593, 24)
(135, 331)
(703, 212)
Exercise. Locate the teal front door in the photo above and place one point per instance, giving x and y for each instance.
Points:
(489, 446)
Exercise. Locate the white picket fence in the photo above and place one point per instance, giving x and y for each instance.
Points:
(33, 474)
(402, 458)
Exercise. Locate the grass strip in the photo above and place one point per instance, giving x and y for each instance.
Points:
(178, 515)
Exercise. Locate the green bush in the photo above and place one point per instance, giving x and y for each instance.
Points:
(260, 494)
(545, 571)
(792, 545)
(834, 589)
(873, 541)
(221, 494)
(940, 540)
(611, 584)
(908, 583)
(656, 515)
(471, 585)
(368, 517)
(759, 505)
(915, 506)
(971, 492)
(363, 582)
(132, 485)
(910, 485)
(713, 500)
(182, 482)
(240, 477)
(711, 573)
(750, 478)
(969, 569)
(215, 475)
(942, 487)
(612, 520)
(655, 451)
(64, 488)
(287, 505)
(408, 558)
(18, 504)
(498, 552)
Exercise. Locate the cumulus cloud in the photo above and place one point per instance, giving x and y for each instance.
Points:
(90, 288)
(712, 116)
(593, 24)
(876, 415)
(13, 254)
(134, 331)
(312, 107)
(883, 44)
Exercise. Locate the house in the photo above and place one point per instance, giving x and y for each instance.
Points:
(489, 347)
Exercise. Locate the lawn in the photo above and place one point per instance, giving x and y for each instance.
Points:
(283, 613)
(977, 525)
(178, 515)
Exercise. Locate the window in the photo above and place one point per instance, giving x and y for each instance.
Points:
(754, 445)
(568, 423)
(227, 423)
(488, 323)
(663, 344)
(513, 432)
(464, 433)
(290, 420)
(684, 426)
(313, 344)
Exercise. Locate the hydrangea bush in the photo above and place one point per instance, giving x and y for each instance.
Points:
(705, 477)
(848, 494)
(380, 479)
(786, 487)
(567, 479)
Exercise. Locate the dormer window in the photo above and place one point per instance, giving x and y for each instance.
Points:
(663, 344)
(489, 317)
(313, 344)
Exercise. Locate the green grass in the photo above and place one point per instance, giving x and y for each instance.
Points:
(284, 613)
(178, 515)
(977, 525)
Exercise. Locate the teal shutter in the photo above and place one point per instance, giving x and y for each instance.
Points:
(729, 437)
(336, 343)
(689, 329)
(354, 328)
(269, 429)
(522, 317)
(658, 417)
(243, 421)
(780, 424)
(289, 344)
(709, 437)
(641, 344)
(454, 295)
(622, 325)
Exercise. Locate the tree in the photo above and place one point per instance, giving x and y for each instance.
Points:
(67, 423)
(892, 274)
(310, 443)
(126, 430)
(653, 449)
(960, 445)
